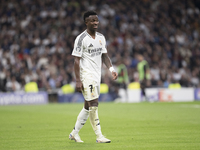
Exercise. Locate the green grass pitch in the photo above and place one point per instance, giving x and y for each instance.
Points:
(146, 126)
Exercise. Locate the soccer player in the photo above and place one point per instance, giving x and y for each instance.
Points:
(123, 78)
(90, 51)
(144, 74)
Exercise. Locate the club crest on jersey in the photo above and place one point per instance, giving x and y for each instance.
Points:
(100, 42)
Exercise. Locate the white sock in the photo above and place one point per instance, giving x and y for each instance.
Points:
(94, 120)
(81, 120)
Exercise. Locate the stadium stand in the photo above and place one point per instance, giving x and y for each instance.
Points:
(36, 40)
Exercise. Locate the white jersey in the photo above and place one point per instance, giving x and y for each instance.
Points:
(90, 50)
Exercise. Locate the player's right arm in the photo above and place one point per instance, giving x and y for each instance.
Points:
(77, 53)
(79, 85)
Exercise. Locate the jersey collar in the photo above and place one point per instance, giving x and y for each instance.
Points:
(90, 35)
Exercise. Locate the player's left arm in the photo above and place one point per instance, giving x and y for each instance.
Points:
(106, 60)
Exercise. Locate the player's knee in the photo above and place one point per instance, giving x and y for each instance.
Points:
(86, 106)
(93, 103)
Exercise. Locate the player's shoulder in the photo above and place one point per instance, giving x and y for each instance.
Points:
(80, 38)
(82, 35)
(99, 34)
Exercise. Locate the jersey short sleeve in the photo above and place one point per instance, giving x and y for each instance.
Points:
(78, 45)
(104, 45)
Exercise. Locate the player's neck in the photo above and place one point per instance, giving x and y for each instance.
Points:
(91, 33)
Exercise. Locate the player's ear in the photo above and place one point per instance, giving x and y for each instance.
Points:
(86, 21)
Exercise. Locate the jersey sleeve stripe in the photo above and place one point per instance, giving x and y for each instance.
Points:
(81, 39)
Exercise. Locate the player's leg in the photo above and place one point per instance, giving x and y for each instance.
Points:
(81, 120)
(143, 86)
(84, 114)
(95, 122)
(94, 118)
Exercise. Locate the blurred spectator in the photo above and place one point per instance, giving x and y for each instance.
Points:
(3, 80)
(144, 75)
(12, 85)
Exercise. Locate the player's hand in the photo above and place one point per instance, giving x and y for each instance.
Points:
(79, 86)
(114, 75)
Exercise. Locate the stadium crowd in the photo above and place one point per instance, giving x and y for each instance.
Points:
(37, 36)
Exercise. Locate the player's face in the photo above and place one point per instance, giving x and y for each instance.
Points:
(92, 22)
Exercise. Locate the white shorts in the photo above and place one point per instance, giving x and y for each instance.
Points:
(91, 89)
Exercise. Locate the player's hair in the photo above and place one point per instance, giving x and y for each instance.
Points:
(88, 13)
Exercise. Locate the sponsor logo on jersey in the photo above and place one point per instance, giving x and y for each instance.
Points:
(95, 50)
